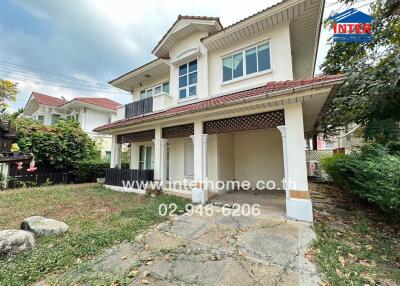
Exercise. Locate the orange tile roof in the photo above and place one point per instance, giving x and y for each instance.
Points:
(47, 99)
(270, 87)
(103, 102)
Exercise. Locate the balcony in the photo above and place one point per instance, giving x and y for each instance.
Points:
(139, 107)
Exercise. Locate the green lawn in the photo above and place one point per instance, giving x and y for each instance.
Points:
(98, 218)
(356, 244)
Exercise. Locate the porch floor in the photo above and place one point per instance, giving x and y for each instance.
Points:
(272, 203)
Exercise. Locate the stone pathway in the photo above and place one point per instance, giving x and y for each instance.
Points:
(207, 250)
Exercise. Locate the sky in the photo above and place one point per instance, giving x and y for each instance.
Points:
(72, 48)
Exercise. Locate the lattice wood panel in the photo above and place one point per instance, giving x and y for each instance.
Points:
(184, 130)
(248, 122)
(136, 136)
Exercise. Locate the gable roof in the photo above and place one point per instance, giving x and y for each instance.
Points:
(218, 101)
(218, 27)
(102, 102)
(47, 99)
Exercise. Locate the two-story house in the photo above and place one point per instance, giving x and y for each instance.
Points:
(88, 111)
(226, 104)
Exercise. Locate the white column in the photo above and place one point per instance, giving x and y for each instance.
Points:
(4, 168)
(157, 154)
(134, 156)
(115, 153)
(163, 161)
(204, 139)
(199, 192)
(298, 203)
(282, 129)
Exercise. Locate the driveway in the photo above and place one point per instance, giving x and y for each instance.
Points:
(209, 250)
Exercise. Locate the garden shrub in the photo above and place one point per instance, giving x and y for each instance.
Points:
(87, 171)
(372, 173)
(55, 147)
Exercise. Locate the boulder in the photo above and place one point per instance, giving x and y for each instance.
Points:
(13, 241)
(42, 226)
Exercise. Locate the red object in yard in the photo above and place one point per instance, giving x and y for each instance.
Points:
(19, 166)
(32, 167)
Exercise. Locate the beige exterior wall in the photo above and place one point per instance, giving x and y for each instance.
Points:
(281, 62)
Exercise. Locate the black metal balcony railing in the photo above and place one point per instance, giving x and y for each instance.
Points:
(139, 107)
(128, 177)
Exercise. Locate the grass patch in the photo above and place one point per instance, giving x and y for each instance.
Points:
(98, 218)
(356, 245)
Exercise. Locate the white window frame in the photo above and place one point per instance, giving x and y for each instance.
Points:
(153, 90)
(243, 52)
(188, 86)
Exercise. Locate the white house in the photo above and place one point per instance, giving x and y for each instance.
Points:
(226, 104)
(88, 111)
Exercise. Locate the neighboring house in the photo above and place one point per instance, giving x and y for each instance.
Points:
(226, 104)
(89, 112)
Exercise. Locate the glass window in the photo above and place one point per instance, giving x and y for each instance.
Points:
(182, 81)
(108, 155)
(227, 69)
(237, 65)
(157, 89)
(251, 61)
(182, 93)
(54, 118)
(149, 93)
(188, 79)
(40, 118)
(165, 87)
(142, 94)
(263, 57)
(189, 159)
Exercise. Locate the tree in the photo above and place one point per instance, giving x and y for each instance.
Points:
(370, 95)
(8, 91)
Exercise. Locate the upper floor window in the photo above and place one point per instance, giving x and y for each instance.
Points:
(246, 62)
(54, 118)
(188, 79)
(155, 90)
(40, 118)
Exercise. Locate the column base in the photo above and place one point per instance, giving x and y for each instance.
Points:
(199, 196)
(299, 209)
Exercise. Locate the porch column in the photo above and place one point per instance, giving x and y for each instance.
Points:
(199, 192)
(163, 161)
(157, 154)
(298, 203)
(134, 156)
(115, 153)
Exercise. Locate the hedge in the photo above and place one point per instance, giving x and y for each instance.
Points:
(87, 171)
(372, 173)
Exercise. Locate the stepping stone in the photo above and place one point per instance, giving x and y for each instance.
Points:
(42, 226)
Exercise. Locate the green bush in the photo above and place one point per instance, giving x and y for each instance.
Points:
(372, 173)
(87, 171)
(57, 146)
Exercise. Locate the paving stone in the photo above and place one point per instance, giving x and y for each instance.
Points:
(157, 240)
(217, 236)
(237, 221)
(186, 226)
(243, 273)
(197, 264)
(272, 244)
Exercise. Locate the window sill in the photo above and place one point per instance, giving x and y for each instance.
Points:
(162, 93)
(187, 99)
(246, 77)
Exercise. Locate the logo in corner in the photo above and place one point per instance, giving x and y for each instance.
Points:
(352, 26)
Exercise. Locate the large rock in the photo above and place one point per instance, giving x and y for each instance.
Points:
(44, 226)
(13, 241)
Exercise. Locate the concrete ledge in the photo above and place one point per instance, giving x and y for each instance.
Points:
(126, 190)
(299, 209)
